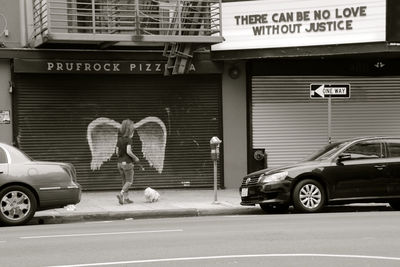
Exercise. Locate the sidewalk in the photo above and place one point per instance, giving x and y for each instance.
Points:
(104, 205)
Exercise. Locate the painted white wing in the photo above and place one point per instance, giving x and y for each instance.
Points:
(153, 134)
(102, 136)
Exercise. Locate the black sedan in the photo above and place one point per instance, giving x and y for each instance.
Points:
(350, 171)
(27, 186)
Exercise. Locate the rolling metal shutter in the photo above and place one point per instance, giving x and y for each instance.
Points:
(290, 125)
(54, 111)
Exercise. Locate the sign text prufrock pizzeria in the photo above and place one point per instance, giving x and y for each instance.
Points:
(65, 66)
(107, 66)
(75, 66)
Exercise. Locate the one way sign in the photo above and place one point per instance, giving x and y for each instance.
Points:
(329, 90)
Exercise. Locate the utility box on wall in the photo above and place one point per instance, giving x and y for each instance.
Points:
(5, 103)
(258, 160)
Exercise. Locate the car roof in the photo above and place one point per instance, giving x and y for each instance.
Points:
(364, 138)
(5, 145)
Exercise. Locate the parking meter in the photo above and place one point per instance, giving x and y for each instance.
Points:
(214, 145)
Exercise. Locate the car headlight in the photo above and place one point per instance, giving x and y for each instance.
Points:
(276, 177)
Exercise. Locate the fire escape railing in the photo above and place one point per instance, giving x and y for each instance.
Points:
(127, 21)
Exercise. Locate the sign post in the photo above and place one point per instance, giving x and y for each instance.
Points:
(329, 119)
(330, 91)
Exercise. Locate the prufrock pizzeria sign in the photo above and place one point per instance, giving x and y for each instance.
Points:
(110, 67)
(288, 23)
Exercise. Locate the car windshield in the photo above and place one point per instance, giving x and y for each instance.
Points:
(327, 151)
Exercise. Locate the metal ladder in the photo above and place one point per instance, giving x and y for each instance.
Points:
(180, 55)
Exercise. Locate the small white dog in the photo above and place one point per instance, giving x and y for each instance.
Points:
(151, 195)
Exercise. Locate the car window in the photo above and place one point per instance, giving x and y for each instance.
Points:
(394, 148)
(3, 156)
(327, 151)
(365, 150)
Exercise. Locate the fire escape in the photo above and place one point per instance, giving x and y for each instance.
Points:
(188, 20)
(179, 26)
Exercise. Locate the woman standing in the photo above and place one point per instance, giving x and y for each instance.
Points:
(126, 159)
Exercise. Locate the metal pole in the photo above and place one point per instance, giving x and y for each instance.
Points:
(137, 17)
(220, 18)
(94, 16)
(215, 182)
(180, 9)
(329, 119)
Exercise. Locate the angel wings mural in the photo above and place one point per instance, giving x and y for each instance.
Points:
(102, 136)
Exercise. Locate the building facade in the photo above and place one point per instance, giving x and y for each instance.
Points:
(71, 71)
(294, 50)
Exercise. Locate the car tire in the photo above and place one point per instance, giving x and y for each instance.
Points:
(308, 196)
(395, 204)
(17, 205)
(274, 208)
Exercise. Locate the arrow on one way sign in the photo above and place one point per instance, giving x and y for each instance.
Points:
(329, 90)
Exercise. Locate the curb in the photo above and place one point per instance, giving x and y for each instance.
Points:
(124, 215)
(188, 212)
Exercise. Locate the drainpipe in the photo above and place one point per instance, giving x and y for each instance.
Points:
(23, 24)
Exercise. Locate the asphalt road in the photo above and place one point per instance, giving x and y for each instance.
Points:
(324, 239)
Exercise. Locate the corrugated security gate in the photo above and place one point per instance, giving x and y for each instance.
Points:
(290, 125)
(53, 112)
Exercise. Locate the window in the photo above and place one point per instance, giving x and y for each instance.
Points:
(365, 150)
(394, 148)
(327, 151)
(3, 156)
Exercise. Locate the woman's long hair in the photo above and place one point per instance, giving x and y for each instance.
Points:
(127, 128)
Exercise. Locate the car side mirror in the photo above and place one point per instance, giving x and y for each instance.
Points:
(344, 156)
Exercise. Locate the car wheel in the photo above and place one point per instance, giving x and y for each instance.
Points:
(395, 204)
(308, 196)
(17, 205)
(274, 208)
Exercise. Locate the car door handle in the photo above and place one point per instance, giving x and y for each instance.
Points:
(380, 167)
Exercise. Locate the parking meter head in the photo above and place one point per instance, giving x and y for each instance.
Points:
(214, 144)
(215, 141)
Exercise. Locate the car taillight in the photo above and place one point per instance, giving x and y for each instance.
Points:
(73, 173)
(70, 169)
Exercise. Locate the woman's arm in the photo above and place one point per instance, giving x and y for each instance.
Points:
(133, 156)
(130, 153)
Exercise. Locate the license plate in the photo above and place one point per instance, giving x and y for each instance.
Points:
(245, 192)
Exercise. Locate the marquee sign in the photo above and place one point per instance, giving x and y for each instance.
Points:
(288, 23)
